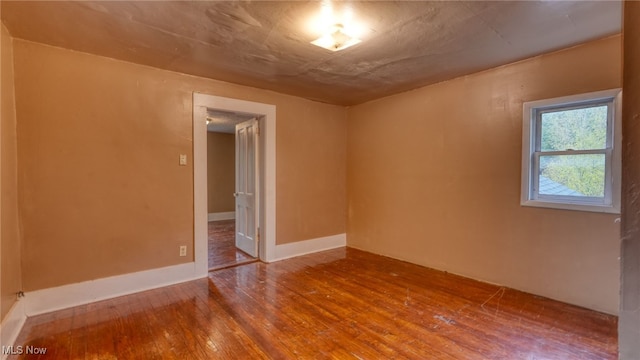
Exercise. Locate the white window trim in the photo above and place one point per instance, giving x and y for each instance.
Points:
(612, 172)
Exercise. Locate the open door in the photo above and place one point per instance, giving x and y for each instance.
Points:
(247, 207)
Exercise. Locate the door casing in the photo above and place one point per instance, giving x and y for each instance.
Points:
(267, 112)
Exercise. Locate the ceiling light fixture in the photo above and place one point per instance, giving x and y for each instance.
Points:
(336, 39)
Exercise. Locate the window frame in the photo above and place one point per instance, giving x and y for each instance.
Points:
(531, 153)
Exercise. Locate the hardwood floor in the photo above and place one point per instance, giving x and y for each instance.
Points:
(338, 304)
(222, 247)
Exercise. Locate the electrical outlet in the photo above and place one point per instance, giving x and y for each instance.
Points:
(183, 159)
(183, 250)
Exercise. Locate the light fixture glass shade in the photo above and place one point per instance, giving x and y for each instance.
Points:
(336, 39)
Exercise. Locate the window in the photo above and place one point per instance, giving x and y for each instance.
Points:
(571, 152)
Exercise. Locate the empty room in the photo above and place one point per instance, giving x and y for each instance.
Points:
(320, 180)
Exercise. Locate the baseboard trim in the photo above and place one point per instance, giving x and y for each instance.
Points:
(12, 325)
(221, 216)
(66, 296)
(299, 248)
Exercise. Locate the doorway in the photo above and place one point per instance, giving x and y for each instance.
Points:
(232, 188)
(266, 171)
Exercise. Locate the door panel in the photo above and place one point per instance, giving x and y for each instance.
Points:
(247, 187)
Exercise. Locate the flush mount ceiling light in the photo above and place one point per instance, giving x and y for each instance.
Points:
(336, 39)
(338, 30)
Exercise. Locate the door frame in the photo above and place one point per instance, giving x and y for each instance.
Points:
(267, 123)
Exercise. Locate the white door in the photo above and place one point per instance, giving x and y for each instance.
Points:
(247, 206)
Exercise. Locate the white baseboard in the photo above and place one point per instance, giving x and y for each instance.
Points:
(221, 216)
(290, 250)
(66, 296)
(12, 325)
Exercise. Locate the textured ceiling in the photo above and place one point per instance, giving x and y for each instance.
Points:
(266, 44)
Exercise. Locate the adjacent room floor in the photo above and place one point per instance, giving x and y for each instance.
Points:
(222, 246)
(340, 304)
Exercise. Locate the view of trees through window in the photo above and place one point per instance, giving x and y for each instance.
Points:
(575, 129)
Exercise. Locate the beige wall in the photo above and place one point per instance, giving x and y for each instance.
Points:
(99, 141)
(221, 168)
(311, 182)
(11, 278)
(629, 322)
(434, 179)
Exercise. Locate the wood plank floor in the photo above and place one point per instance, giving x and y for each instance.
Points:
(338, 304)
(223, 252)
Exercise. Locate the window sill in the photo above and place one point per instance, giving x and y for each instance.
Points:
(608, 209)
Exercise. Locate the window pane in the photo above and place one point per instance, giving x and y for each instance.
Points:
(576, 129)
(573, 175)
